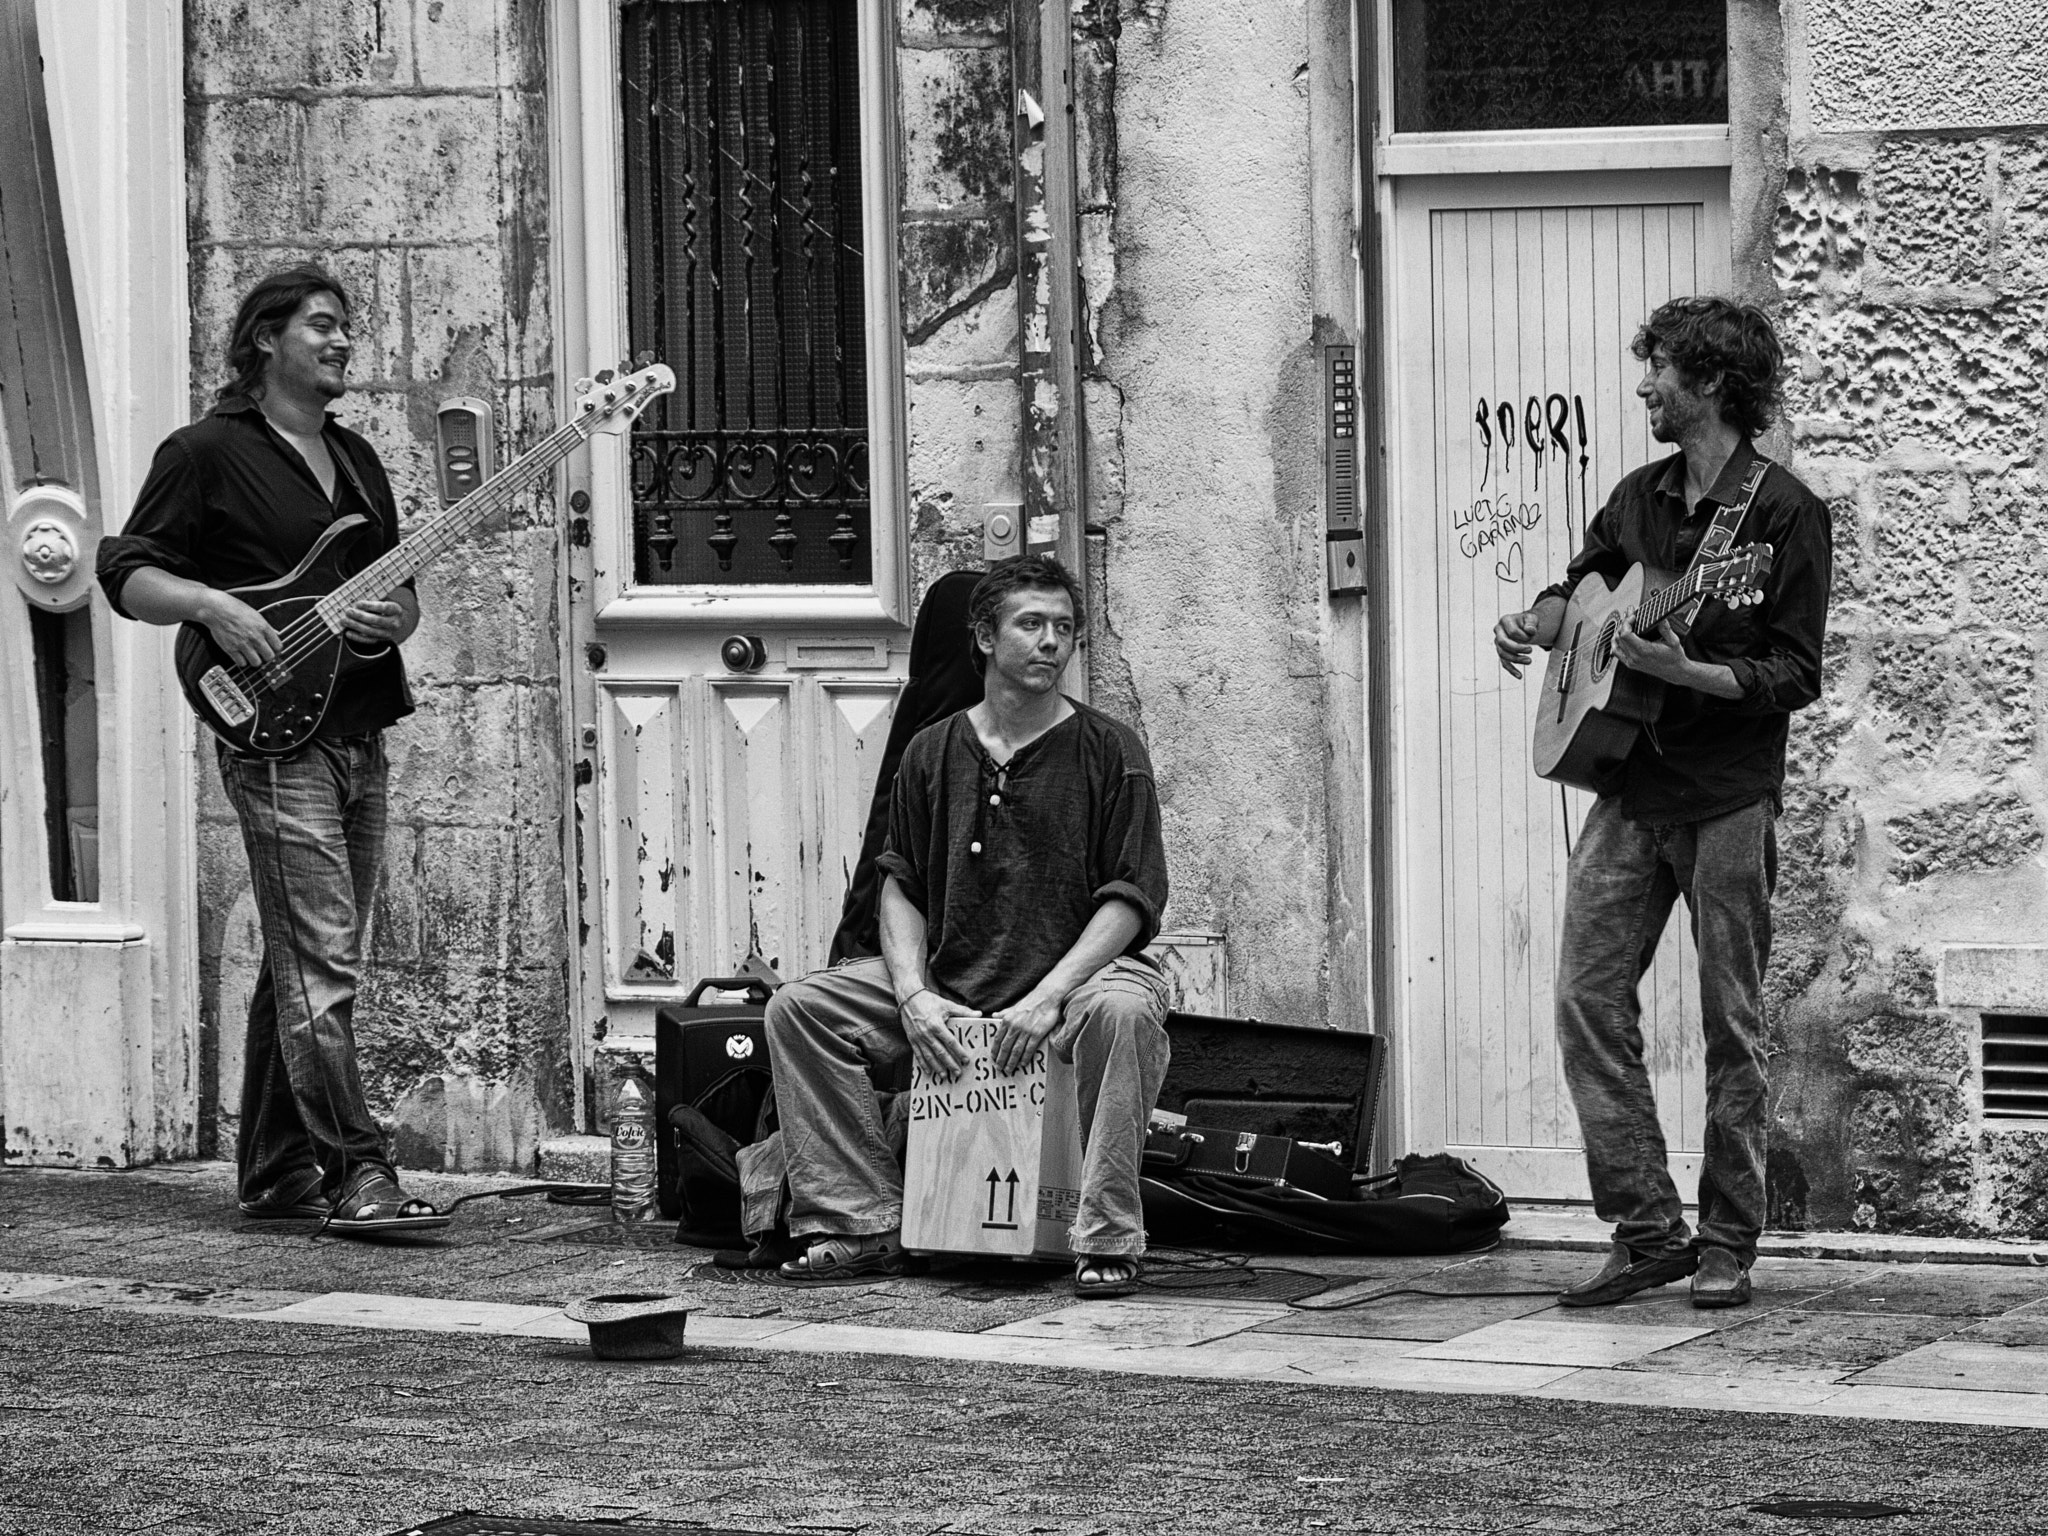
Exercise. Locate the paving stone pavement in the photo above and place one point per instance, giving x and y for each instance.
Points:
(165, 1366)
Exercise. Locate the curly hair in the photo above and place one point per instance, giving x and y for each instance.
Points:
(1708, 338)
(264, 310)
(1019, 573)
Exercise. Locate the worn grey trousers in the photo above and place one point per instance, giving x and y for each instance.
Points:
(1624, 880)
(313, 825)
(826, 1030)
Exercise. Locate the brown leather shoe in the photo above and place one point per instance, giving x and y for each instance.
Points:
(1624, 1274)
(1720, 1281)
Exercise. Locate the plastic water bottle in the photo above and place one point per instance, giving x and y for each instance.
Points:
(633, 1152)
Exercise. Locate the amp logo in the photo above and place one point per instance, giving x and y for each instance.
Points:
(739, 1047)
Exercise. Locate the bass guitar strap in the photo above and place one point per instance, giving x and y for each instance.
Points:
(1720, 536)
(355, 480)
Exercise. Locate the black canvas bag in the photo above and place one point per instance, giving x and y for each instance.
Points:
(713, 1090)
(1432, 1204)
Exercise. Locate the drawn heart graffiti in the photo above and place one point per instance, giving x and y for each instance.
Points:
(1509, 567)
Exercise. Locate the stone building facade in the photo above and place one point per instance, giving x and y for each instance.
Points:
(1908, 265)
(1234, 210)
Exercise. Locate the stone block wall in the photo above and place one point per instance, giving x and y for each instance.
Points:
(403, 143)
(957, 247)
(1909, 257)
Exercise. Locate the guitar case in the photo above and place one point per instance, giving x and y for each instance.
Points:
(1427, 1205)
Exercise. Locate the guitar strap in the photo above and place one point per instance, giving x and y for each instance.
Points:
(1720, 537)
(355, 480)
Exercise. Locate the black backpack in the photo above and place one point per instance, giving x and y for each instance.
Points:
(713, 1094)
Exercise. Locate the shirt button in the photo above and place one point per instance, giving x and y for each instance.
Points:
(974, 847)
(995, 799)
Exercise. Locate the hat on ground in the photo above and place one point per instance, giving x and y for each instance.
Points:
(632, 1326)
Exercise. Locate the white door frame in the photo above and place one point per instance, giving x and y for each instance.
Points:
(660, 645)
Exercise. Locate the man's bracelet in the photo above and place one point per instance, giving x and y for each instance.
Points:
(905, 1002)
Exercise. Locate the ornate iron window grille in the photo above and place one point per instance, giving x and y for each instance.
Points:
(743, 258)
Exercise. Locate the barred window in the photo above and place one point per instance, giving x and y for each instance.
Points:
(743, 263)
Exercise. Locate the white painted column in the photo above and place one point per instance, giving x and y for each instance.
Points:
(98, 1006)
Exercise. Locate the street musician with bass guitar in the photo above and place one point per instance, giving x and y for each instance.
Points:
(1688, 806)
(235, 500)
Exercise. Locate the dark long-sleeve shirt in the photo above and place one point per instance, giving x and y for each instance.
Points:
(1009, 864)
(229, 503)
(1706, 756)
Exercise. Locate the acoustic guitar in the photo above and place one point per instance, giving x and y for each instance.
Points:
(1592, 707)
(273, 710)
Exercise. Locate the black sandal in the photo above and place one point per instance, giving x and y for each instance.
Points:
(1119, 1275)
(307, 1205)
(377, 1207)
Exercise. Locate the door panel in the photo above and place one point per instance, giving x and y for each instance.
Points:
(1516, 299)
(732, 813)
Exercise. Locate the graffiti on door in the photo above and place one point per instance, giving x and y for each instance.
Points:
(1532, 456)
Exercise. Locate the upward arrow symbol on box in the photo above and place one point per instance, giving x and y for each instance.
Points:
(995, 1183)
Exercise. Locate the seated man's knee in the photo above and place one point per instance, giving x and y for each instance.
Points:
(786, 1013)
(1123, 1008)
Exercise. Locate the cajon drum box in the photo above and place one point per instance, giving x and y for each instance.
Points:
(993, 1163)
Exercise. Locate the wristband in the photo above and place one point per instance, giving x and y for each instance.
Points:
(905, 1003)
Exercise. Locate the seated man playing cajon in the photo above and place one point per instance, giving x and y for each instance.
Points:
(1023, 874)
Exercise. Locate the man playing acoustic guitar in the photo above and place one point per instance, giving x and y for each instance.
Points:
(236, 500)
(1690, 811)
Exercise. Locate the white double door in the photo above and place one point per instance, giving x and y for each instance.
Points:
(1516, 300)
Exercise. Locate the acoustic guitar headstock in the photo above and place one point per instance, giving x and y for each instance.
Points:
(1737, 579)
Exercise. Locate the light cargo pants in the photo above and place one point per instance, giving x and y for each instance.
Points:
(826, 1030)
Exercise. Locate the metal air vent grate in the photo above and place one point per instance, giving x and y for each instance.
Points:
(2016, 1066)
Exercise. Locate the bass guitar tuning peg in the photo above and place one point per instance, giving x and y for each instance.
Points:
(582, 386)
(604, 376)
(645, 359)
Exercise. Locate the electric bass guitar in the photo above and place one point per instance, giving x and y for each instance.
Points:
(273, 710)
(1592, 706)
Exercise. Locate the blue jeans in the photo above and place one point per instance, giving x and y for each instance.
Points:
(827, 1029)
(1624, 878)
(313, 825)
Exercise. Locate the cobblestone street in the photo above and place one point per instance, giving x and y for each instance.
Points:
(159, 1400)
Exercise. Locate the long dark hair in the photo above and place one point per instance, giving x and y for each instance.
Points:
(1704, 337)
(265, 308)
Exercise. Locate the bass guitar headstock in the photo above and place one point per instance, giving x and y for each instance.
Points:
(611, 401)
(1737, 579)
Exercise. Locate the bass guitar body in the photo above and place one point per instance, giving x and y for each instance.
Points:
(275, 710)
(1592, 707)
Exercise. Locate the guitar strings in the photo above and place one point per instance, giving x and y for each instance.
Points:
(304, 636)
(307, 633)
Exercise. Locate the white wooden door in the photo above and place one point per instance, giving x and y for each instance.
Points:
(721, 792)
(730, 805)
(1515, 301)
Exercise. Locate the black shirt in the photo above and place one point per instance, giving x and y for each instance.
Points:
(1705, 756)
(230, 503)
(1009, 864)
